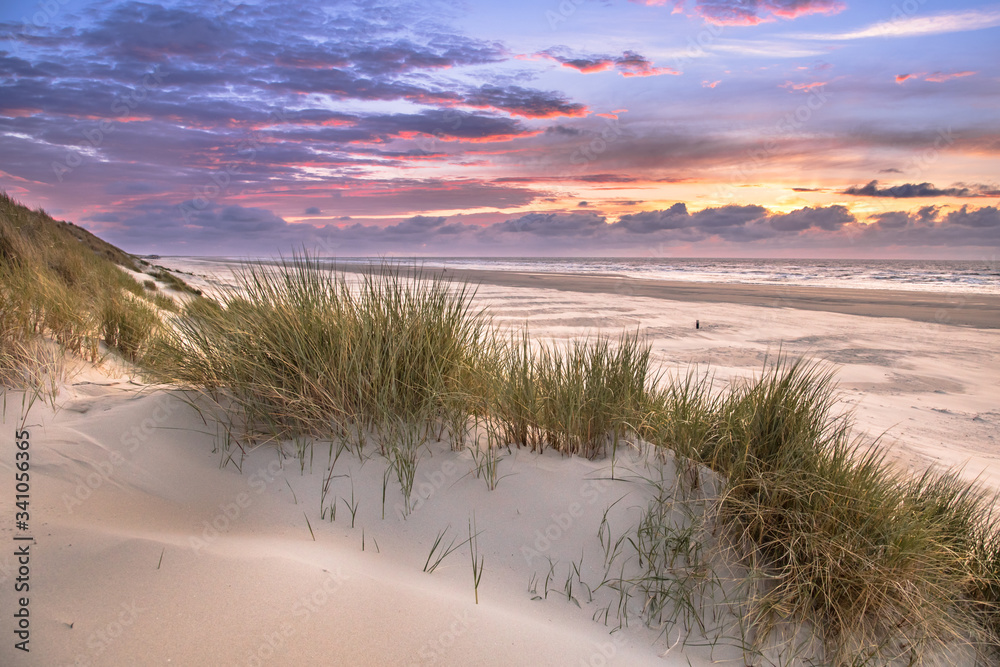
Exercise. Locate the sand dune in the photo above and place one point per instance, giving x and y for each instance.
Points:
(148, 551)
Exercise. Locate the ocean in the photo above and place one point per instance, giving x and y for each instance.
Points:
(957, 276)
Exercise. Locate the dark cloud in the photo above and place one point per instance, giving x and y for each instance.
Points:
(727, 216)
(563, 130)
(553, 225)
(647, 222)
(829, 218)
(232, 230)
(150, 33)
(909, 190)
(313, 210)
(524, 102)
(987, 217)
(629, 63)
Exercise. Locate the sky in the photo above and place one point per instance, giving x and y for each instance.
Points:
(642, 128)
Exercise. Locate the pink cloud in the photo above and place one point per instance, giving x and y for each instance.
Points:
(933, 77)
(632, 64)
(938, 77)
(752, 12)
(628, 64)
(710, 84)
(803, 86)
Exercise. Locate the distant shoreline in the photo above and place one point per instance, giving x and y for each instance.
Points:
(974, 310)
(980, 311)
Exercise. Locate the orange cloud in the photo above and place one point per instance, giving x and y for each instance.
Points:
(938, 77)
(803, 86)
(740, 12)
(934, 77)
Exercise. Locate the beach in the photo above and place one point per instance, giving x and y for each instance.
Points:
(148, 550)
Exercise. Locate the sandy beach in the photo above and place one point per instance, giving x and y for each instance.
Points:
(148, 550)
(970, 310)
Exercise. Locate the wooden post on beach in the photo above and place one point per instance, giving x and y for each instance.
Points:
(697, 324)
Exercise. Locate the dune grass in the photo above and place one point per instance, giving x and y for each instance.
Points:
(60, 283)
(882, 565)
(576, 398)
(128, 325)
(300, 349)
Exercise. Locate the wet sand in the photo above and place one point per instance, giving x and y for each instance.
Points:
(981, 311)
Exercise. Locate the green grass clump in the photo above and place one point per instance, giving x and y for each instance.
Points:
(128, 325)
(165, 302)
(172, 281)
(576, 398)
(883, 565)
(56, 280)
(301, 350)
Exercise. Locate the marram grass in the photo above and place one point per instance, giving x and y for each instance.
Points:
(301, 349)
(881, 565)
(62, 284)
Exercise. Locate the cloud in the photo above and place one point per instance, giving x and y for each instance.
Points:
(827, 218)
(628, 64)
(753, 229)
(632, 64)
(911, 190)
(938, 77)
(524, 102)
(313, 210)
(552, 225)
(919, 26)
(987, 217)
(647, 222)
(752, 12)
(934, 77)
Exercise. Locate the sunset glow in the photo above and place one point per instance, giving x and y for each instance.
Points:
(700, 127)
